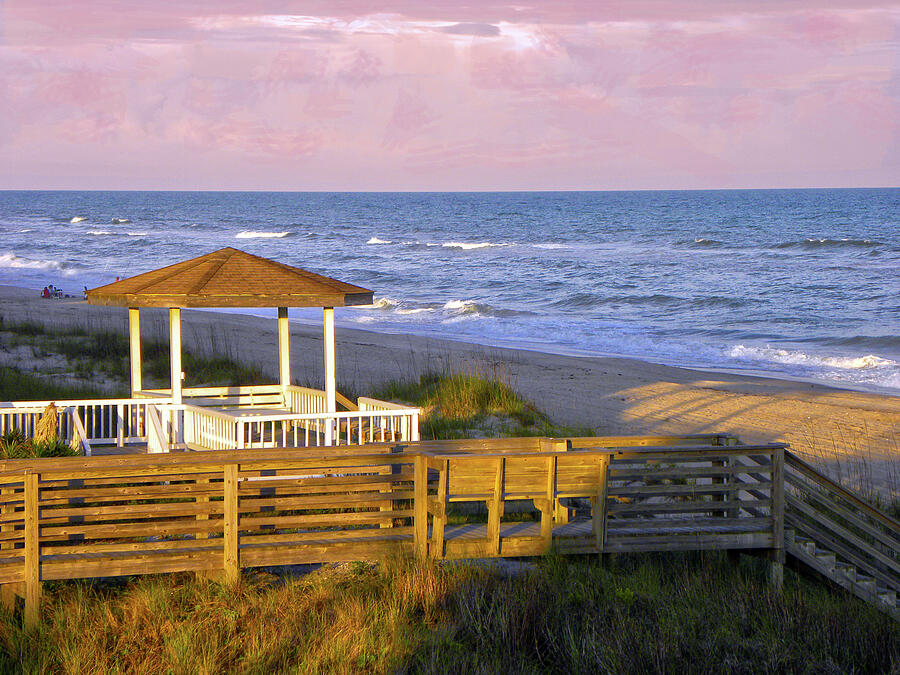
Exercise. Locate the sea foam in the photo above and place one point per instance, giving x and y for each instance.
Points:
(799, 358)
(77, 219)
(252, 234)
(467, 246)
(18, 262)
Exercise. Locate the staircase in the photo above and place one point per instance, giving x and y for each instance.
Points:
(835, 533)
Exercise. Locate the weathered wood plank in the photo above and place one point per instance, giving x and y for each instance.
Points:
(231, 552)
(33, 585)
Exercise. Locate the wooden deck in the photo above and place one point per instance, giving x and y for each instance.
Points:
(221, 511)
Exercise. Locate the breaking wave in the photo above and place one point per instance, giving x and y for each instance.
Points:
(816, 243)
(77, 219)
(468, 246)
(799, 358)
(376, 240)
(120, 221)
(252, 234)
(18, 262)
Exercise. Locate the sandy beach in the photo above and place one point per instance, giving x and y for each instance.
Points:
(857, 433)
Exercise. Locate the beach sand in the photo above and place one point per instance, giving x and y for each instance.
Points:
(857, 434)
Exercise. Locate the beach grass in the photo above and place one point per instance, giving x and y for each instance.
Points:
(635, 614)
(462, 405)
(88, 355)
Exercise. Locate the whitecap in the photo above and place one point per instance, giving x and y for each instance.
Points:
(251, 234)
(17, 262)
(136, 234)
(376, 240)
(120, 221)
(467, 246)
(799, 358)
(77, 219)
(552, 247)
(99, 233)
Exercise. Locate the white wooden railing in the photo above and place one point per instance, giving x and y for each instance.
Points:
(109, 421)
(215, 430)
(304, 401)
(163, 426)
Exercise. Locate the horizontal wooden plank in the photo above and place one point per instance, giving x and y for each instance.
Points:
(685, 507)
(333, 552)
(114, 566)
(324, 519)
(320, 502)
(685, 491)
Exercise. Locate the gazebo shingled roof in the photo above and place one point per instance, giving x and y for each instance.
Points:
(229, 278)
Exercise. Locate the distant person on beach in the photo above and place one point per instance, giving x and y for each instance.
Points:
(45, 293)
(84, 293)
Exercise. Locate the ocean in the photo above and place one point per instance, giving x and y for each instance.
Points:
(797, 283)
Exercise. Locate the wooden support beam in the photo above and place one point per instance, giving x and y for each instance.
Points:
(776, 570)
(420, 521)
(33, 586)
(495, 505)
(330, 384)
(284, 349)
(175, 353)
(547, 508)
(231, 543)
(134, 341)
(599, 512)
(440, 517)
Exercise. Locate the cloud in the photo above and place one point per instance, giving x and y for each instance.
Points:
(377, 94)
(477, 29)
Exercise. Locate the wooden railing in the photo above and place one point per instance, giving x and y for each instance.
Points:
(839, 521)
(620, 500)
(205, 428)
(71, 518)
(103, 421)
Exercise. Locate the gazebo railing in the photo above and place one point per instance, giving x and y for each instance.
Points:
(163, 426)
(205, 428)
(105, 421)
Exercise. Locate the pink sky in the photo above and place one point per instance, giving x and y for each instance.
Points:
(445, 95)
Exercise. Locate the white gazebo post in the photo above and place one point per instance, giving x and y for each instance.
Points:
(330, 386)
(284, 350)
(175, 352)
(134, 335)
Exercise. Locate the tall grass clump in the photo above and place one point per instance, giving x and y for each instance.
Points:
(454, 403)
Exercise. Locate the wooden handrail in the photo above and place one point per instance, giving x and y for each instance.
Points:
(346, 402)
(794, 462)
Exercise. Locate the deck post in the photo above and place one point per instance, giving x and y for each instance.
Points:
(330, 385)
(599, 511)
(33, 586)
(776, 565)
(420, 513)
(284, 349)
(230, 539)
(134, 339)
(495, 506)
(175, 352)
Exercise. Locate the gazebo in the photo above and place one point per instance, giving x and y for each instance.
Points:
(264, 415)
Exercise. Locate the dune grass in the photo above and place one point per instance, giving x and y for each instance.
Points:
(90, 353)
(460, 405)
(638, 614)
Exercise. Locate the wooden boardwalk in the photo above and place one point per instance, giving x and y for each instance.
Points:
(218, 512)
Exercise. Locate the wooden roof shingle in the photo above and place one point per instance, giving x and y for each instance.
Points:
(229, 278)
